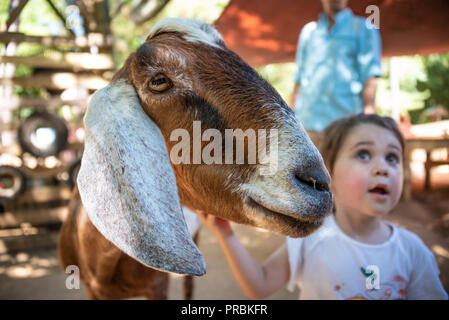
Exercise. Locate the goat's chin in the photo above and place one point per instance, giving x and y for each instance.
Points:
(295, 227)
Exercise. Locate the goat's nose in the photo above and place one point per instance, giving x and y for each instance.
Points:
(315, 177)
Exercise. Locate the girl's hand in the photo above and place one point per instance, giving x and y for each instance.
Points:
(218, 226)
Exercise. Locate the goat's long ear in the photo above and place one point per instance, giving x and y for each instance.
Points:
(128, 187)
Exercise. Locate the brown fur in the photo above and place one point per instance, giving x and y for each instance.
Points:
(233, 106)
(209, 84)
(111, 274)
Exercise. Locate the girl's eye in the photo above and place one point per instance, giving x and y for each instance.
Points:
(392, 158)
(363, 155)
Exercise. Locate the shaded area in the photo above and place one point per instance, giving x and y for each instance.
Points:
(268, 32)
(37, 275)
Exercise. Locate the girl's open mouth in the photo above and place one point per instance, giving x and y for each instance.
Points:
(379, 189)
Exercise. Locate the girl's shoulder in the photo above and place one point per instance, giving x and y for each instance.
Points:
(410, 243)
(406, 236)
(330, 234)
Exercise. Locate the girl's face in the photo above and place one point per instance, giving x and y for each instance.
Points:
(367, 174)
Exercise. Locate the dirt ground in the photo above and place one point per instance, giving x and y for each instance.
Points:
(37, 275)
(428, 217)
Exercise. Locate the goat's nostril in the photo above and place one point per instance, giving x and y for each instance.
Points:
(321, 186)
(316, 179)
(313, 183)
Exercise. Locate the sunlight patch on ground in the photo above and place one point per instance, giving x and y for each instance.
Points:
(21, 265)
(440, 251)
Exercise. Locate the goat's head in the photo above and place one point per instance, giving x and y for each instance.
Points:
(132, 191)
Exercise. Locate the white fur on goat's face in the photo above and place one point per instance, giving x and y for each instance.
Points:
(211, 84)
(192, 31)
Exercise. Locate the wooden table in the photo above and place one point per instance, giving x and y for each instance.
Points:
(428, 145)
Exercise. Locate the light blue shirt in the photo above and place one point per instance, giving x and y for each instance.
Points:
(333, 67)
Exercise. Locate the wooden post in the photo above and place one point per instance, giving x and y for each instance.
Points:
(7, 70)
(85, 42)
(428, 166)
(395, 91)
(407, 189)
(59, 81)
(69, 60)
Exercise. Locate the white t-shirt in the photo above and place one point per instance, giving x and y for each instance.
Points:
(330, 265)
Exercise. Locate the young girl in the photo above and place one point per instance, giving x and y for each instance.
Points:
(355, 254)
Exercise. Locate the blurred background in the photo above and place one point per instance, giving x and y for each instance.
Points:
(56, 53)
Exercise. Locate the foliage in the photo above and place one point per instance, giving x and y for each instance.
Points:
(424, 81)
(128, 36)
(280, 76)
(436, 83)
(410, 68)
(36, 18)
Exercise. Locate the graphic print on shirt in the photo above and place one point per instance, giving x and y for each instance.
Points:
(372, 274)
(375, 290)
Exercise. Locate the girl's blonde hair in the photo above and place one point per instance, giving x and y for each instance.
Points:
(334, 134)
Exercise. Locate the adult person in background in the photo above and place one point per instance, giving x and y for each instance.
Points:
(338, 59)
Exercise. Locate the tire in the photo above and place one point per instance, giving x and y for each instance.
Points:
(12, 183)
(48, 143)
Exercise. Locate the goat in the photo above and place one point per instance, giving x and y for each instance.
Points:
(125, 229)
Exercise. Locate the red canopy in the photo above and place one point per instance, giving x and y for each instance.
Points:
(267, 31)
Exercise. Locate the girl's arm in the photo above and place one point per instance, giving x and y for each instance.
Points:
(425, 283)
(256, 280)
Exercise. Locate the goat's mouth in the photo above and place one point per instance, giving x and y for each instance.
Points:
(282, 222)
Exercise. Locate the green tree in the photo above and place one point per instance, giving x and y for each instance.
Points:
(436, 67)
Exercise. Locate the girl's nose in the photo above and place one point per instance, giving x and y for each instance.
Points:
(380, 169)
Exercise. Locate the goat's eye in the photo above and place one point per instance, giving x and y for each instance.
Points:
(159, 83)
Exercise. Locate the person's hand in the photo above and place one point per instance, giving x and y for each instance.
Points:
(218, 226)
(369, 109)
